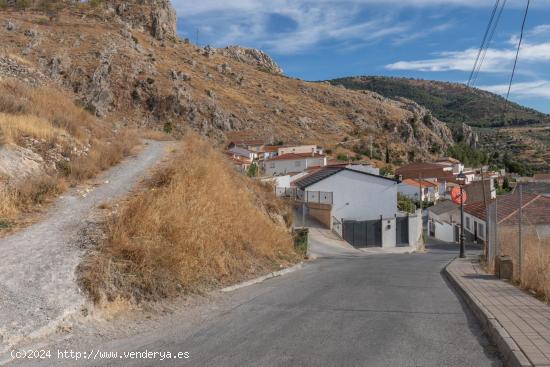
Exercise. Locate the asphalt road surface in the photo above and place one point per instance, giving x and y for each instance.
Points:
(377, 310)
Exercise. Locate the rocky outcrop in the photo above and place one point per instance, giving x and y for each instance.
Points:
(465, 133)
(422, 115)
(253, 57)
(17, 163)
(158, 17)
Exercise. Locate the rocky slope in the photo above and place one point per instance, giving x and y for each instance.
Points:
(454, 103)
(123, 61)
(524, 137)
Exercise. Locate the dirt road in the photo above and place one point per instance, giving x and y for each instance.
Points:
(38, 289)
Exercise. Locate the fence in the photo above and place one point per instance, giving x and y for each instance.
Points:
(317, 197)
(518, 226)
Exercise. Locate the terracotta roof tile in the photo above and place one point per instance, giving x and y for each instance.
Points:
(417, 183)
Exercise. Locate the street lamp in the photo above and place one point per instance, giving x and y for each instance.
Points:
(461, 178)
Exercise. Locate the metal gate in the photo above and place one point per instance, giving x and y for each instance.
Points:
(367, 233)
(402, 231)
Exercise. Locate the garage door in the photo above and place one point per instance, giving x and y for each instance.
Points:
(367, 233)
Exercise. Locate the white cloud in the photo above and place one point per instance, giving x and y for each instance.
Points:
(536, 89)
(246, 21)
(496, 60)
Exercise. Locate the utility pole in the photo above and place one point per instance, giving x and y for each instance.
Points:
(420, 192)
(520, 245)
(485, 235)
(462, 180)
(462, 247)
(197, 37)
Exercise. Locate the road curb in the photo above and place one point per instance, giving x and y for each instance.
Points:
(512, 356)
(262, 278)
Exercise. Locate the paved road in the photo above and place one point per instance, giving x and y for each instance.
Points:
(379, 310)
(37, 271)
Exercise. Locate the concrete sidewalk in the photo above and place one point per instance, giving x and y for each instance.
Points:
(517, 322)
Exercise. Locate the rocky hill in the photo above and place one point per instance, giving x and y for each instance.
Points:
(122, 61)
(453, 103)
(522, 135)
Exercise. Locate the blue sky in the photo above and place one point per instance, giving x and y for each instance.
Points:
(429, 39)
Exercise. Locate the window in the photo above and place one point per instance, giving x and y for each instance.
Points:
(468, 222)
(297, 163)
(480, 230)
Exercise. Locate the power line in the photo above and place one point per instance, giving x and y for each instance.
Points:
(484, 39)
(489, 40)
(516, 59)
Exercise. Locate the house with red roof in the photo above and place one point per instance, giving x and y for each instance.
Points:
(419, 190)
(535, 212)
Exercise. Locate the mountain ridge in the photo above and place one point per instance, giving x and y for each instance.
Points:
(449, 101)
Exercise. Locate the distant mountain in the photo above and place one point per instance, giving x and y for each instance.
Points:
(453, 103)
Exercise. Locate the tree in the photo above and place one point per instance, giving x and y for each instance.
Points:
(405, 204)
(252, 170)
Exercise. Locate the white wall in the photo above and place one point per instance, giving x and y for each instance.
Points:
(444, 231)
(299, 149)
(279, 181)
(357, 196)
(473, 222)
(282, 167)
(415, 229)
(389, 234)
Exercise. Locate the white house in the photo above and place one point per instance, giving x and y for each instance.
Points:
(456, 165)
(293, 163)
(300, 149)
(359, 206)
(356, 195)
(423, 190)
(444, 221)
(237, 152)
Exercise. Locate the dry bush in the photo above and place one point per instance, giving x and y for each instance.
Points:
(8, 202)
(48, 115)
(196, 225)
(535, 270)
(156, 135)
(104, 154)
(52, 105)
(14, 127)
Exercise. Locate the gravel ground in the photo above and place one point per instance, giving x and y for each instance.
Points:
(38, 291)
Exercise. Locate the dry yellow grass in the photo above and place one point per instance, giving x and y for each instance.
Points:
(535, 270)
(196, 225)
(8, 203)
(47, 114)
(14, 127)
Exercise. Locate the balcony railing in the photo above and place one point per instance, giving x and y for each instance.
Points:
(293, 193)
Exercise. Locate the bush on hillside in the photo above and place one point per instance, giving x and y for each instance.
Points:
(197, 224)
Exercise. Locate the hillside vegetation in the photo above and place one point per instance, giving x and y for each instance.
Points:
(197, 224)
(519, 143)
(47, 143)
(453, 103)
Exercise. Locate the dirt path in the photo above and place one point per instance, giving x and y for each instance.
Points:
(37, 267)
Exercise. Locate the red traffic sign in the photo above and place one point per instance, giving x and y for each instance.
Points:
(458, 196)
